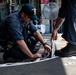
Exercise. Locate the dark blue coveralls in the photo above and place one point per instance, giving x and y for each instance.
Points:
(68, 11)
(13, 29)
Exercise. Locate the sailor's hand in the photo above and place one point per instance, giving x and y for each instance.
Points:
(47, 47)
(54, 35)
(37, 55)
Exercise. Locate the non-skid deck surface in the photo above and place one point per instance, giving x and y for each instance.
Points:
(49, 67)
(55, 66)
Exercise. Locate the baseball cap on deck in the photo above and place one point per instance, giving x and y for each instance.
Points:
(30, 10)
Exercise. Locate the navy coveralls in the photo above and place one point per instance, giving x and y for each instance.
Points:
(13, 29)
(68, 11)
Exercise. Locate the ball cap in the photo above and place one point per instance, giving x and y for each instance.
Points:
(30, 10)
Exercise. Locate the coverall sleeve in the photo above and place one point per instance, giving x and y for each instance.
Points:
(14, 29)
(32, 27)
